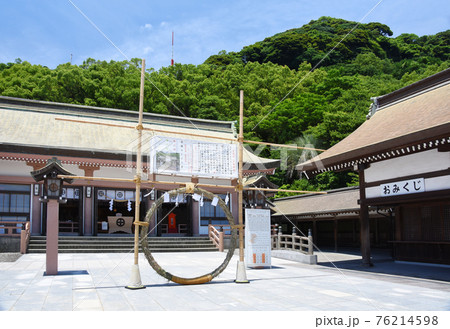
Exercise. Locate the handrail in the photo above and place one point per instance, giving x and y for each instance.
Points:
(11, 229)
(25, 238)
(293, 242)
(216, 236)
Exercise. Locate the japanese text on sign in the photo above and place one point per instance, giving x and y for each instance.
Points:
(257, 237)
(403, 187)
(193, 157)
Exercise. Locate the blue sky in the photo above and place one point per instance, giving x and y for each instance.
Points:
(51, 32)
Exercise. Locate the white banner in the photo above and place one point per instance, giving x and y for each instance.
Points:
(258, 244)
(188, 157)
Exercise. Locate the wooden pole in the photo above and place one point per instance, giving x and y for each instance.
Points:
(364, 220)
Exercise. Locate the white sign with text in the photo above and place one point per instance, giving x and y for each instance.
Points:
(416, 185)
(188, 157)
(258, 244)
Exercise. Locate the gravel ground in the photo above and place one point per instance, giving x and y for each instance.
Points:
(9, 256)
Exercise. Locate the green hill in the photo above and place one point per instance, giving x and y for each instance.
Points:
(330, 41)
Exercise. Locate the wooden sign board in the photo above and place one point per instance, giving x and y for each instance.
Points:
(120, 224)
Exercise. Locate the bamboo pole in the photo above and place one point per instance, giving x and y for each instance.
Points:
(241, 164)
(281, 190)
(128, 180)
(138, 176)
(149, 129)
(241, 276)
(106, 179)
(282, 145)
(191, 134)
(135, 282)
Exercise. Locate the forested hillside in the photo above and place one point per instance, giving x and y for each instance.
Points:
(285, 100)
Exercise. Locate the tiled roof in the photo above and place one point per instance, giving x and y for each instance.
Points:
(411, 121)
(30, 126)
(337, 201)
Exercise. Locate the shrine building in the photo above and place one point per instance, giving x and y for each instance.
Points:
(92, 142)
(402, 155)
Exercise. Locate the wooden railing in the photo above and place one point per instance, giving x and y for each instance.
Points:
(216, 236)
(68, 227)
(293, 242)
(280, 241)
(25, 238)
(182, 228)
(11, 228)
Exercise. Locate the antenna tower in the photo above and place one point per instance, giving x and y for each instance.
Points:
(171, 62)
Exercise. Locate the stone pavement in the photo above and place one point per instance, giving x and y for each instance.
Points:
(96, 282)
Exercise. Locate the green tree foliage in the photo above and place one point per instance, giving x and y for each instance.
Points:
(284, 97)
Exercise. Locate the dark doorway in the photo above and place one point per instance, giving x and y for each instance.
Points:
(175, 220)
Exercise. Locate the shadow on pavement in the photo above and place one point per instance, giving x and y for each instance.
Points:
(350, 259)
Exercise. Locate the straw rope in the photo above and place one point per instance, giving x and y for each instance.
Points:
(200, 279)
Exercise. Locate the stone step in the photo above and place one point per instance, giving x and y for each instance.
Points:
(121, 250)
(77, 244)
(106, 239)
(150, 242)
(103, 246)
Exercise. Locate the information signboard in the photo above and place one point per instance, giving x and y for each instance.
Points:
(258, 243)
(188, 157)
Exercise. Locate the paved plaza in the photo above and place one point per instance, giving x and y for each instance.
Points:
(96, 282)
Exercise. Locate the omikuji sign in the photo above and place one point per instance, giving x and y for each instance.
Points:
(410, 186)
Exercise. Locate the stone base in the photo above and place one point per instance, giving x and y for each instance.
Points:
(9, 244)
(295, 256)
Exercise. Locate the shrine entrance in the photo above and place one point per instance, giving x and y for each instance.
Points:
(114, 211)
(175, 217)
(70, 213)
